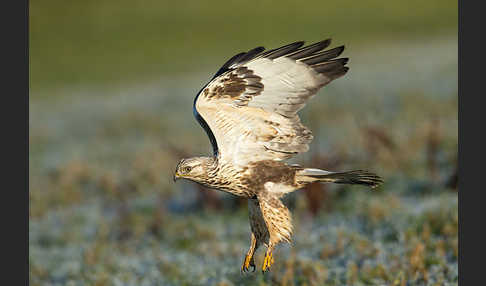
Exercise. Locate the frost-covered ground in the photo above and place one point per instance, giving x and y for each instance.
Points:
(104, 209)
(382, 240)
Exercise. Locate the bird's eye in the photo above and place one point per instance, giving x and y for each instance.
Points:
(187, 169)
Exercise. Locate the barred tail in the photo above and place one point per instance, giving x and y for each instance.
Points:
(358, 177)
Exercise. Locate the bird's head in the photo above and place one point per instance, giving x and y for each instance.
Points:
(194, 169)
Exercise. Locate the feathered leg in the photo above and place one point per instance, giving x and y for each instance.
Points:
(278, 221)
(259, 233)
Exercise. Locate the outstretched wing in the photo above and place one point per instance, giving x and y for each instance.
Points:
(249, 108)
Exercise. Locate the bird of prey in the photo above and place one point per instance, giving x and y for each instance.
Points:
(249, 112)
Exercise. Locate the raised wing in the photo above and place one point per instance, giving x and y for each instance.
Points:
(249, 108)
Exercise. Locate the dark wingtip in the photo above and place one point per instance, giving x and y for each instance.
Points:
(250, 54)
(284, 50)
(370, 179)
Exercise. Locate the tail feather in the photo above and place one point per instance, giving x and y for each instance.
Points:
(357, 177)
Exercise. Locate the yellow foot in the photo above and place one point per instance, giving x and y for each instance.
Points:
(267, 262)
(247, 263)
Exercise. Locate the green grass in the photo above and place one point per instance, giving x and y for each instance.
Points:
(79, 43)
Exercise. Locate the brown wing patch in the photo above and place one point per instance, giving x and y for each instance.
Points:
(240, 84)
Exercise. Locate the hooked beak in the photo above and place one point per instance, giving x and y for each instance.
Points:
(176, 176)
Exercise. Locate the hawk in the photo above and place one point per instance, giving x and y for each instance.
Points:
(249, 112)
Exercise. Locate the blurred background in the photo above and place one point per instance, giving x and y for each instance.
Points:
(111, 91)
